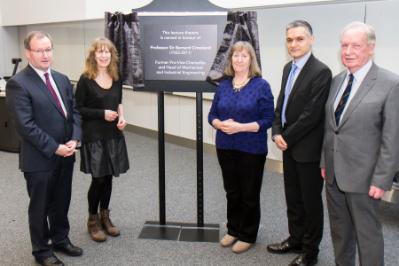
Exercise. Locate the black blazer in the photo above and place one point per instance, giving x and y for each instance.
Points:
(303, 131)
(39, 121)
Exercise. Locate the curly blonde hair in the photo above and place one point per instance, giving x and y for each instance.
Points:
(99, 44)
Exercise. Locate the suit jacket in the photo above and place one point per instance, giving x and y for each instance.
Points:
(303, 130)
(362, 150)
(39, 121)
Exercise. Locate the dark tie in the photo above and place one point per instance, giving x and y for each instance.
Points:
(288, 88)
(344, 99)
(52, 91)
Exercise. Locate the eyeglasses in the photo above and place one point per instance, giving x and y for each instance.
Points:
(42, 51)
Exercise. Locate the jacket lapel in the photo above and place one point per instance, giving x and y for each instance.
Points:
(334, 92)
(364, 88)
(286, 72)
(39, 83)
(300, 78)
(61, 90)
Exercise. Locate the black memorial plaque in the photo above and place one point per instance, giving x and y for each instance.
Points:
(179, 52)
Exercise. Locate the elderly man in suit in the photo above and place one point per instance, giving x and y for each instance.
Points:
(298, 132)
(360, 154)
(48, 124)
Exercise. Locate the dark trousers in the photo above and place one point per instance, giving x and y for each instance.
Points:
(242, 178)
(303, 185)
(50, 196)
(354, 222)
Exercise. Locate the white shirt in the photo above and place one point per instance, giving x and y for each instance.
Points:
(41, 75)
(300, 64)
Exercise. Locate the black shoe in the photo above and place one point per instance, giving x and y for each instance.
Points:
(68, 249)
(303, 260)
(284, 247)
(49, 261)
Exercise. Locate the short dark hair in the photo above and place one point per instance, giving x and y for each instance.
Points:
(36, 34)
(300, 23)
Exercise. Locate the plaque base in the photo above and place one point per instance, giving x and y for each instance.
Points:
(180, 232)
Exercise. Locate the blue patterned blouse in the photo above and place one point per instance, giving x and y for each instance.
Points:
(253, 103)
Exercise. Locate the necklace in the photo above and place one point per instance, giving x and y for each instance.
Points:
(238, 86)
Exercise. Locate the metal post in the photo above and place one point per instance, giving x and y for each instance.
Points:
(200, 162)
(161, 157)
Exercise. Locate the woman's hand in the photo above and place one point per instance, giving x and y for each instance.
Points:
(230, 126)
(121, 123)
(110, 115)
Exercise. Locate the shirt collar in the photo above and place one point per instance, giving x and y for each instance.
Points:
(302, 61)
(362, 72)
(41, 72)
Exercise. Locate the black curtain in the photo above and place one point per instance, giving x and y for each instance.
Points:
(241, 26)
(123, 31)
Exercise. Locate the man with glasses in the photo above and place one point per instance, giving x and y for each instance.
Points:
(48, 124)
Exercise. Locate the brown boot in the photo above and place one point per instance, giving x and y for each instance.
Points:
(108, 226)
(95, 230)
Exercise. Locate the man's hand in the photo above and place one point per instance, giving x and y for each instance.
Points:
(280, 142)
(64, 151)
(376, 192)
(67, 149)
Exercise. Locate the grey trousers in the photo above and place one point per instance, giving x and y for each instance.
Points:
(354, 222)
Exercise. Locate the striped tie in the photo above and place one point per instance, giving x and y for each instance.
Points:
(344, 98)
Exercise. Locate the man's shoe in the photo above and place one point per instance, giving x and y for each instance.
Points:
(49, 261)
(240, 247)
(284, 247)
(68, 249)
(303, 260)
(228, 240)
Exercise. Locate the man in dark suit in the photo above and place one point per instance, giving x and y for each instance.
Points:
(360, 153)
(298, 132)
(48, 124)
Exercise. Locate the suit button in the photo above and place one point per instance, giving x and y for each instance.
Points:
(336, 132)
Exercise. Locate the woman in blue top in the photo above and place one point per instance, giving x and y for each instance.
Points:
(242, 111)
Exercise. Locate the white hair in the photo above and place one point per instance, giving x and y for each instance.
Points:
(357, 25)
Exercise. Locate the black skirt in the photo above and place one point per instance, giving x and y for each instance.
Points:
(104, 157)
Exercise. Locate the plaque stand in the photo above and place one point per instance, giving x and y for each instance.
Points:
(191, 232)
(151, 14)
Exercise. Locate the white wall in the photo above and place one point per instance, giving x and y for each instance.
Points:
(25, 12)
(22, 12)
(272, 3)
(9, 48)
